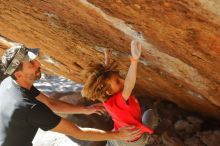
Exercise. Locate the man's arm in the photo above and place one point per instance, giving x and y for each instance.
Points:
(69, 128)
(41, 116)
(130, 79)
(67, 108)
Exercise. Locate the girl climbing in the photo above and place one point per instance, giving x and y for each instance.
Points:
(104, 83)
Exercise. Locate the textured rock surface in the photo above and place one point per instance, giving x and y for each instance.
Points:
(180, 61)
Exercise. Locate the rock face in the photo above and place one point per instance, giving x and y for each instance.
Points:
(181, 38)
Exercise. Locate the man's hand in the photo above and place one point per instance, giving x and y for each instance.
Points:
(129, 133)
(95, 108)
(69, 128)
(135, 49)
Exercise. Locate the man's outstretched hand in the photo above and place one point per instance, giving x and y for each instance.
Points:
(95, 109)
(129, 133)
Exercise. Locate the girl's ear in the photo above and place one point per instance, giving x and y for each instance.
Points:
(108, 92)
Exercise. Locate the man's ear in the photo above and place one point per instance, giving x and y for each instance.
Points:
(18, 74)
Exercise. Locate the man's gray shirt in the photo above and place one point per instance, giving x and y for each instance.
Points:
(21, 114)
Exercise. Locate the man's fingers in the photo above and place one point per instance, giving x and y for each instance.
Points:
(130, 132)
(99, 112)
(102, 110)
(136, 132)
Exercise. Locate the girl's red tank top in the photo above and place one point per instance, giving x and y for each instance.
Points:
(125, 113)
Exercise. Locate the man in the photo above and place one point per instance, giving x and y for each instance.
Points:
(24, 109)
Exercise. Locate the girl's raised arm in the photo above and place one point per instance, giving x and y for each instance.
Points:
(130, 79)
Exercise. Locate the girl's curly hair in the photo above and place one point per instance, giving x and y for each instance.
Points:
(95, 76)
